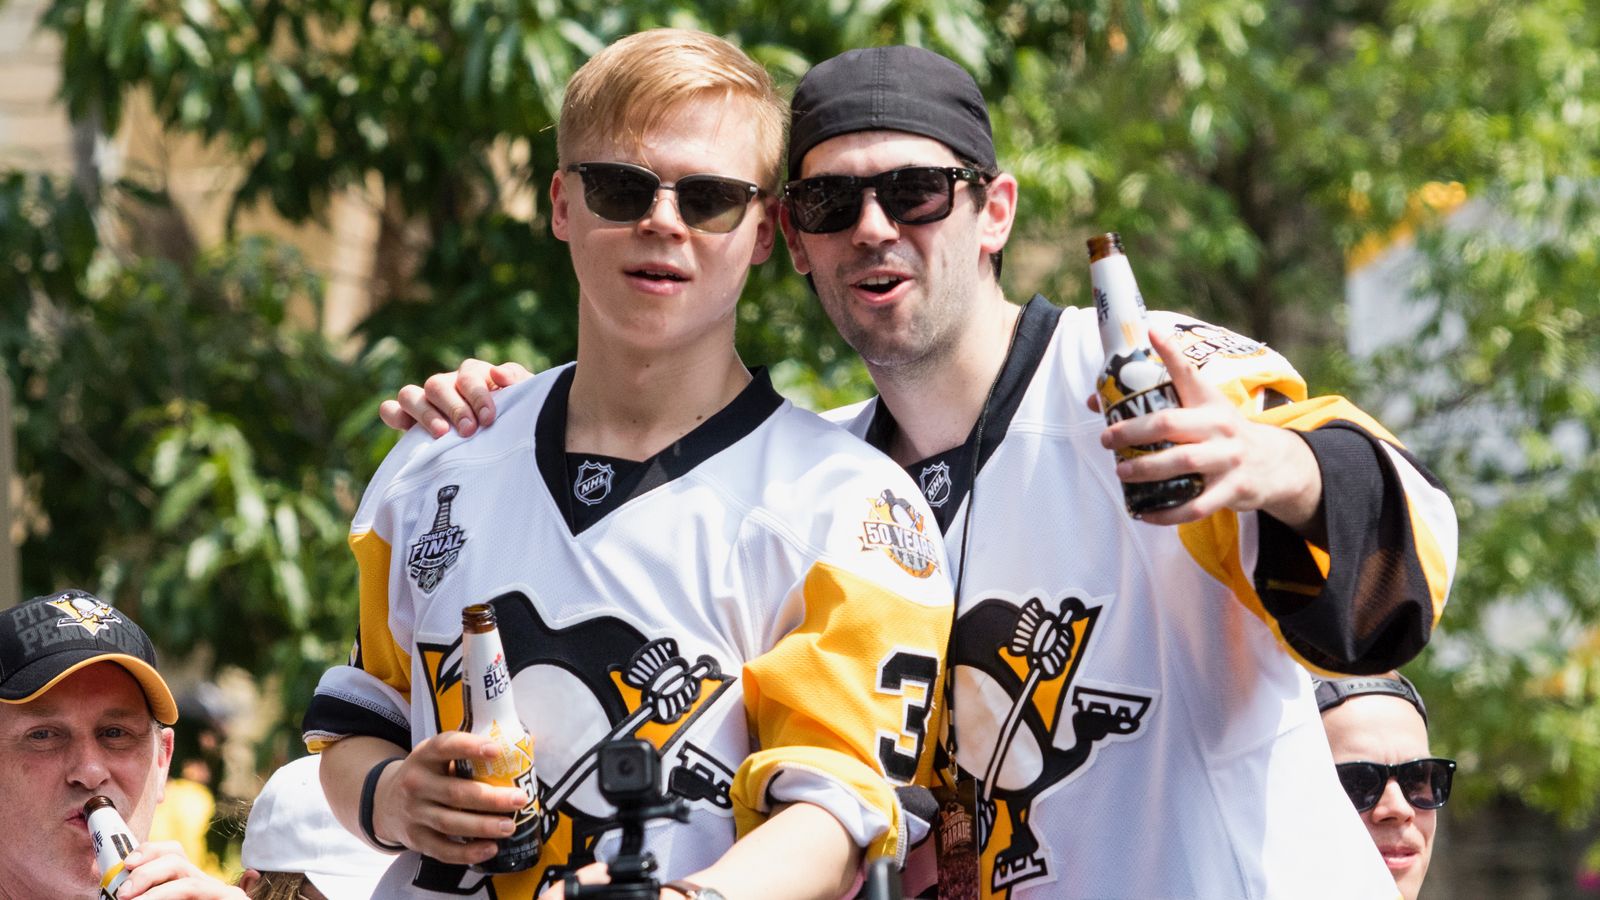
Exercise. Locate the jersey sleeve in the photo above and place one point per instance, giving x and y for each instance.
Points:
(841, 706)
(371, 694)
(1366, 602)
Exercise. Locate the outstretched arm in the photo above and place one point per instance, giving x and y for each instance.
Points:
(1315, 516)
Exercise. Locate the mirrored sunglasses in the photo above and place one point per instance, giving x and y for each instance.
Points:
(624, 194)
(915, 195)
(1424, 782)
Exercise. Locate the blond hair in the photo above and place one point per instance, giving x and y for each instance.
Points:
(628, 88)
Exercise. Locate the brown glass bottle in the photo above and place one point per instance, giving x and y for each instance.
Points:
(490, 712)
(1134, 381)
(112, 843)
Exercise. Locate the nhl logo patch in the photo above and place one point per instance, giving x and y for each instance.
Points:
(434, 553)
(593, 483)
(935, 484)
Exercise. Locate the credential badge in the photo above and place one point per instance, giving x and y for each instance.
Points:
(435, 552)
(593, 483)
(935, 484)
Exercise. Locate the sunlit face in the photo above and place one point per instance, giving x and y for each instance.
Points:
(899, 294)
(1385, 729)
(90, 734)
(656, 284)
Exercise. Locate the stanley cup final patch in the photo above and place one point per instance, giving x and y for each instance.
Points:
(593, 483)
(431, 555)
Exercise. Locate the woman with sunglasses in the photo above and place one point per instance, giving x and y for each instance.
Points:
(1378, 731)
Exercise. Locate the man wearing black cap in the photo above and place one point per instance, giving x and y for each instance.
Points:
(83, 712)
(1126, 696)
(1130, 701)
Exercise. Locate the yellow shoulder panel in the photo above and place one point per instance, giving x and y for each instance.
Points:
(381, 657)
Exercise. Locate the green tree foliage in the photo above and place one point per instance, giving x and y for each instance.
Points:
(1244, 149)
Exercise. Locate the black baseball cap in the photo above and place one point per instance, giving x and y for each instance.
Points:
(890, 89)
(1333, 691)
(48, 638)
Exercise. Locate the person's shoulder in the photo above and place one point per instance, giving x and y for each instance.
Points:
(813, 464)
(854, 417)
(1219, 352)
(419, 456)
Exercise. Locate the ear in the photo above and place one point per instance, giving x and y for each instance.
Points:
(558, 205)
(766, 232)
(163, 762)
(248, 880)
(999, 213)
(791, 237)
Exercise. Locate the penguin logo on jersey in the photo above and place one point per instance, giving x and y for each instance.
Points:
(434, 553)
(895, 527)
(1049, 733)
(935, 484)
(608, 674)
(593, 483)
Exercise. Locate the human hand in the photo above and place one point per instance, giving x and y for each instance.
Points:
(160, 871)
(1246, 465)
(421, 804)
(460, 398)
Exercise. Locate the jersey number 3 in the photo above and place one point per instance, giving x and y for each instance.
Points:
(902, 670)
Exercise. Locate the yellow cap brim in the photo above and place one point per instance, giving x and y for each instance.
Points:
(156, 692)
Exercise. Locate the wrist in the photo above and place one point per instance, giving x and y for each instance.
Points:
(369, 802)
(1298, 502)
(690, 890)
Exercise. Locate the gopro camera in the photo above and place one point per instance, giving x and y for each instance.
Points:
(630, 772)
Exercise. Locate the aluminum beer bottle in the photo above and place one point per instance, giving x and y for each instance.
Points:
(1134, 381)
(112, 844)
(490, 712)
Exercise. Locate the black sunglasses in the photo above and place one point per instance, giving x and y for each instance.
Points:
(915, 195)
(1424, 782)
(623, 193)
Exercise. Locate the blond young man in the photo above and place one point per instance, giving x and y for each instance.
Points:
(673, 551)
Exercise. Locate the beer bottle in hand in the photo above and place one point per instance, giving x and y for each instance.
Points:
(112, 843)
(1134, 381)
(490, 712)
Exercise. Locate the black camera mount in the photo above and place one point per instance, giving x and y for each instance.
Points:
(630, 780)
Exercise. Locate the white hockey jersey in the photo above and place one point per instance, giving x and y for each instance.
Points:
(766, 601)
(1130, 698)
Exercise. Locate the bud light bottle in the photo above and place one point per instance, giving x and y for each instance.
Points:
(490, 712)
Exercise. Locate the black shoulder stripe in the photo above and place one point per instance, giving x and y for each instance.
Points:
(328, 714)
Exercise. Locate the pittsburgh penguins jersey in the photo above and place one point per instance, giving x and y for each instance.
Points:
(766, 601)
(1131, 701)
